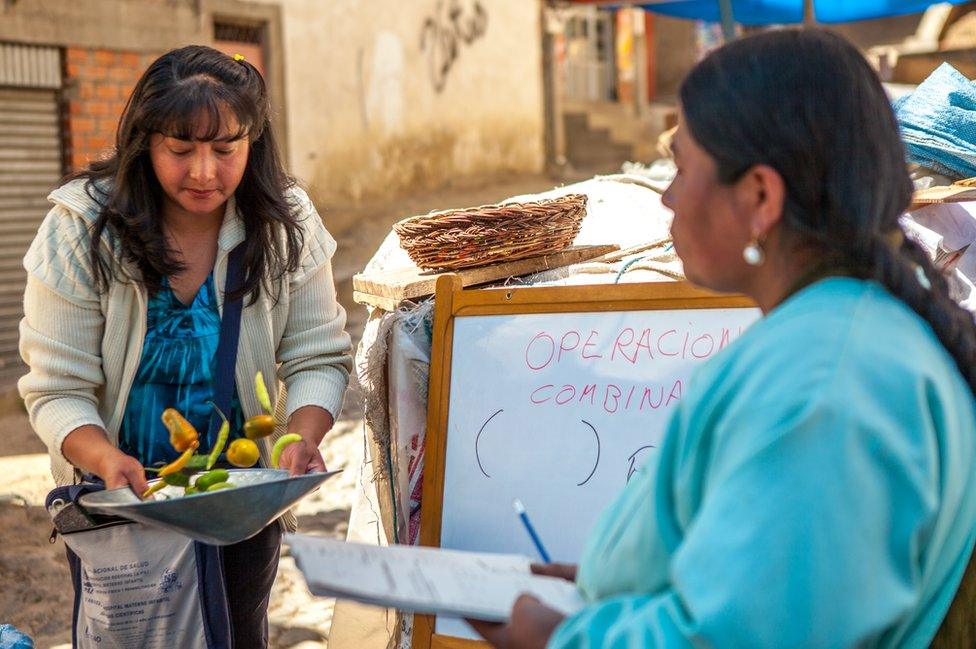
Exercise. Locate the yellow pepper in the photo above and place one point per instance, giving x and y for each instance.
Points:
(182, 434)
(180, 462)
(261, 390)
(153, 489)
(242, 452)
(259, 426)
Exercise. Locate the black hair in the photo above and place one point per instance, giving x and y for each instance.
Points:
(181, 91)
(806, 103)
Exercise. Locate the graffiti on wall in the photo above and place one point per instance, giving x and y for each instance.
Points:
(452, 24)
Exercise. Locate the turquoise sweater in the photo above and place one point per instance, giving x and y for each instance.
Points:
(815, 488)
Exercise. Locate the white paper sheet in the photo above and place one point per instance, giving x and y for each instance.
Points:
(426, 580)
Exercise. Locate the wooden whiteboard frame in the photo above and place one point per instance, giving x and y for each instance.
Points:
(452, 302)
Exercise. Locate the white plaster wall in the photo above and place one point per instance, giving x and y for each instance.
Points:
(370, 112)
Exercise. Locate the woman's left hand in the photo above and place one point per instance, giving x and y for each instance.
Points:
(531, 625)
(311, 423)
(301, 458)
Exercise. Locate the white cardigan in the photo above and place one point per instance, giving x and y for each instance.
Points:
(83, 347)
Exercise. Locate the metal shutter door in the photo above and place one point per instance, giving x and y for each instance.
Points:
(30, 167)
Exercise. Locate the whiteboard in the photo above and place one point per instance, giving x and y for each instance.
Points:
(559, 410)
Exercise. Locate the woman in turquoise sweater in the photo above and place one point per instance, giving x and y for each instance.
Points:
(816, 486)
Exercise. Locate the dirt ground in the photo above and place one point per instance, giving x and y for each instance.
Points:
(36, 595)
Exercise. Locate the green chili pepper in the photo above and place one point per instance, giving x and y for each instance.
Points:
(220, 485)
(173, 479)
(221, 439)
(280, 445)
(196, 464)
(177, 479)
(211, 478)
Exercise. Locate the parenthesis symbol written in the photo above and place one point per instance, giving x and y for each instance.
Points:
(477, 440)
(597, 463)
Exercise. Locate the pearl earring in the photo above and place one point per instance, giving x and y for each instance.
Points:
(753, 253)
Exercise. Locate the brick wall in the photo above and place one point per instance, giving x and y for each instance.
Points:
(97, 84)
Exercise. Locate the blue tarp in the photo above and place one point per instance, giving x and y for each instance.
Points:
(938, 123)
(771, 12)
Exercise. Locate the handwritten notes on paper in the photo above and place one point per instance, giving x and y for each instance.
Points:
(426, 580)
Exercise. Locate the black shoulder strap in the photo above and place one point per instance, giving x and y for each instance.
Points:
(230, 330)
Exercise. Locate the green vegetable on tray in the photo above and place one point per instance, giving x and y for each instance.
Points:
(241, 452)
(210, 478)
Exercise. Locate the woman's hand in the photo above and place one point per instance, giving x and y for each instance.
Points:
(301, 458)
(119, 470)
(88, 448)
(565, 571)
(530, 627)
(311, 423)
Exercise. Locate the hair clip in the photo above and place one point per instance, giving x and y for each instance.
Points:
(239, 58)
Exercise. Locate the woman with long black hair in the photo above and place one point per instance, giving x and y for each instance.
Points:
(815, 486)
(127, 281)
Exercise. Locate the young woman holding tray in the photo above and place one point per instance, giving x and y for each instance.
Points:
(126, 289)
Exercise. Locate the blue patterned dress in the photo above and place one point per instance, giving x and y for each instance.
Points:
(176, 371)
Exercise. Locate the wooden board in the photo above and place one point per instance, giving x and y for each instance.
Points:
(957, 193)
(388, 289)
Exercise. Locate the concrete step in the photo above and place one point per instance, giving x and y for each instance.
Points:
(622, 121)
(592, 141)
(575, 121)
(598, 156)
(591, 147)
(606, 134)
(608, 163)
(579, 173)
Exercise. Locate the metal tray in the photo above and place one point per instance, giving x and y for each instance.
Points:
(217, 518)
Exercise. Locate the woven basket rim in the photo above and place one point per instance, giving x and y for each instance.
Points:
(490, 210)
(512, 230)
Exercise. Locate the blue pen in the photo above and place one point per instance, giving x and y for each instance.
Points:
(520, 510)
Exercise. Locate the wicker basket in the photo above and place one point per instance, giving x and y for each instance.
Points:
(484, 235)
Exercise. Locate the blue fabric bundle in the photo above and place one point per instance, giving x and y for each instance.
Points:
(11, 638)
(938, 123)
